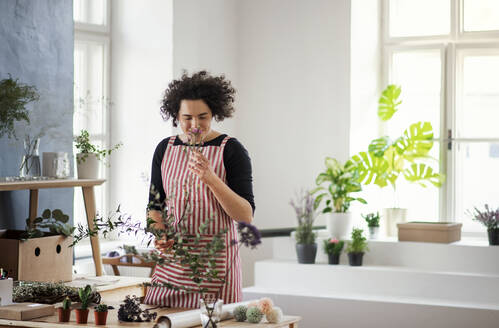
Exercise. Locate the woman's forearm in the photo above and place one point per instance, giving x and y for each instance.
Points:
(234, 205)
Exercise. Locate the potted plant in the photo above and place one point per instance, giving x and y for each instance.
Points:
(64, 312)
(356, 248)
(14, 96)
(82, 312)
(100, 314)
(389, 159)
(490, 219)
(305, 208)
(333, 248)
(341, 180)
(373, 224)
(89, 155)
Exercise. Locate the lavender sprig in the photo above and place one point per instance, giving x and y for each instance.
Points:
(488, 217)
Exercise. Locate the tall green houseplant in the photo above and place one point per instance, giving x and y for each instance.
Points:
(406, 156)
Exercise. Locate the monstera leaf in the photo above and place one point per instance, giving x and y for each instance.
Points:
(388, 102)
(423, 174)
(379, 146)
(372, 169)
(416, 141)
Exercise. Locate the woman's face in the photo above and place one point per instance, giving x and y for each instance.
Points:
(195, 114)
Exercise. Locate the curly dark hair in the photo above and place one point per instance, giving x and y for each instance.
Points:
(216, 91)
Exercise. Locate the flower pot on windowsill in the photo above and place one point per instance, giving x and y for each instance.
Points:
(334, 258)
(81, 315)
(306, 253)
(64, 314)
(100, 317)
(355, 259)
(373, 233)
(87, 166)
(339, 224)
(493, 236)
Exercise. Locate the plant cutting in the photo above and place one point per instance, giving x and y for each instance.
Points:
(333, 248)
(490, 219)
(64, 312)
(14, 96)
(336, 185)
(305, 208)
(100, 314)
(89, 155)
(406, 156)
(82, 311)
(356, 247)
(372, 220)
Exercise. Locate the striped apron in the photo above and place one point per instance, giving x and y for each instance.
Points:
(203, 205)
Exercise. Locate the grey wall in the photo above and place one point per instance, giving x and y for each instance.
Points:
(36, 39)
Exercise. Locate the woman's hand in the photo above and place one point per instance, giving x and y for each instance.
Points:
(163, 245)
(201, 166)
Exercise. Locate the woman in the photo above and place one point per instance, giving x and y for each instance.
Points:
(221, 172)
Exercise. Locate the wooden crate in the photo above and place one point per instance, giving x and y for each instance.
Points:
(430, 232)
(48, 259)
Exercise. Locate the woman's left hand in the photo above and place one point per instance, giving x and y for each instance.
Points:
(201, 166)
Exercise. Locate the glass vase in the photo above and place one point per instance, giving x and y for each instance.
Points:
(30, 164)
(211, 312)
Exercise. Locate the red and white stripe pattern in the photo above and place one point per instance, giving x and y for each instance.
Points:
(202, 206)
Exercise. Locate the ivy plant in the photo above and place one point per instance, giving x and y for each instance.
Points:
(85, 147)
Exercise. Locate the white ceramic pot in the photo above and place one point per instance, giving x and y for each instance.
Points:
(88, 168)
(373, 233)
(339, 225)
(392, 216)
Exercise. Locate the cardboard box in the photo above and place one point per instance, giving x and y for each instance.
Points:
(26, 311)
(46, 259)
(430, 232)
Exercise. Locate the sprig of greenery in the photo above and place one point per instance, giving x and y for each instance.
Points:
(372, 219)
(14, 96)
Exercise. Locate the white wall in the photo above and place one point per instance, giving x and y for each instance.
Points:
(141, 69)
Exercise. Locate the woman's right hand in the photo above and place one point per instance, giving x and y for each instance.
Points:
(163, 245)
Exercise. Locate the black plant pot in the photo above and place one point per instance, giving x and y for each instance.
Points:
(493, 236)
(334, 258)
(306, 253)
(355, 259)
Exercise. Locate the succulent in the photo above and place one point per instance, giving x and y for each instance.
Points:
(254, 315)
(84, 294)
(66, 304)
(101, 308)
(240, 313)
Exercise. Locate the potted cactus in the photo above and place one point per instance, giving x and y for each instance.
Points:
(65, 311)
(356, 248)
(82, 312)
(100, 314)
(373, 224)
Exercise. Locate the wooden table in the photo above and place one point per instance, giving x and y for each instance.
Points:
(87, 186)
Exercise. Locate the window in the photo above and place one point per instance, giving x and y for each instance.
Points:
(91, 78)
(447, 62)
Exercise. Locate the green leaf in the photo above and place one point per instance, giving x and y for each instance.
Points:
(46, 214)
(379, 146)
(416, 141)
(388, 102)
(38, 220)
(423, 174)
(57, 214)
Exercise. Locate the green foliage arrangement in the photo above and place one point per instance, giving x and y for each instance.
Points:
(55, 221)
(372, 219)
(14, 96)
(101, 308)
(333, 246)
(305, 208)
(341, 181)
(85, 147)
(47, 293)
(387, 160)
(66, 304)
(84, 294)
(358, 244)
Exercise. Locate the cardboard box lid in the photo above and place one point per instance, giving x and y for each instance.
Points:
(26, 311)
(430, 225)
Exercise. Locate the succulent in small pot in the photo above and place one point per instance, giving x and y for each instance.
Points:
(64, 312)
(333, 248)
(100, 314)
(356, 248)
(82, 312)
(373, 224)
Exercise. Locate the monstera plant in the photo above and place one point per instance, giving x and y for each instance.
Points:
(407, 156)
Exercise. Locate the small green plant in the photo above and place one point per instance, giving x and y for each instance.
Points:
(66, 304)
(333, 246)
(84, 294)
(341, 181)
(85, 147)
(305, 209)
(358, 244)
(129, 249)
(55, 221)
(14, 96)
(101, 308)
(372, 219)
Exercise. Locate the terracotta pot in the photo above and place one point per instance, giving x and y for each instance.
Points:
(100, 317)
(64, 314)
(81, 315)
